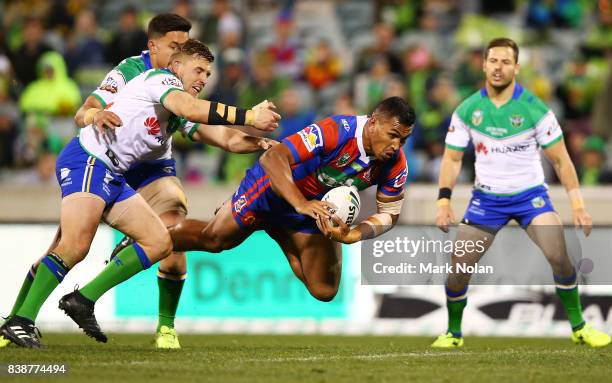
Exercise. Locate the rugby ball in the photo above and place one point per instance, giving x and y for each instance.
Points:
(346, 199)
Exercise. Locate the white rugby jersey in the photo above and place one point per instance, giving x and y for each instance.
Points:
(146, 133)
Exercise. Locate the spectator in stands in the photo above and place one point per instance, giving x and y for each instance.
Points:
(602, 112)
(129, 40)
(322, 65)
(184, 8)
(592, 169)
(36, 140)
(383, 39)
(468, 76)
(420, 67)
(85, 48)
(54, 93)
(228, 87)
(344, 104)
(9, 119)
(370, 87)
(33, 47)
(295, 116)
(286, 48)
(265, 84)
(223, 26)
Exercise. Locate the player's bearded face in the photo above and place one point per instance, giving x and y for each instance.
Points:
(162, 48)
(500, 67)
(194, 74)
(389, 136)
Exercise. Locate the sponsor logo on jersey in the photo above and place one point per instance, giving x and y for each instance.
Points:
(240, 203)
(343, 160)
(64, 173)
(108, 105)
(152, 125)
(482, 148)
(400, 180)
(109, 85)
(311, 137)
(172, 81)
(495, 131)
(477, 117)
(108, 177)
(516, 121)
(538, 202)
(510, 149)
(167, 169)
(346, 125)
(367, 175)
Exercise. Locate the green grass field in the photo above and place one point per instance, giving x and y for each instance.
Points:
(247, 358)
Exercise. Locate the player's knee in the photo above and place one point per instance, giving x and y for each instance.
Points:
(323, 291)
(73, 252)
(158, 246)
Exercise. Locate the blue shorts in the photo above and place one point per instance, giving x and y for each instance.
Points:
(77, 171)
(255, 206)
(492, 212)
(143, 173)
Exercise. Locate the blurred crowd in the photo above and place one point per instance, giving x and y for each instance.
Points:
(312, 58)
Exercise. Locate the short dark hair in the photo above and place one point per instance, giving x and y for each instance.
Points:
(503, 42)
(167, 22)
(396, 107)
(196, 47)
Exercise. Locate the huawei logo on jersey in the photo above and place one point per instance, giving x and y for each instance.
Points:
(152, 125)
(482, 148)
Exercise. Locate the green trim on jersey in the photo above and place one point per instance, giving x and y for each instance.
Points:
(131, 67)
(193, 130)
(551, 143)
(458, 148)
(514, 117)
(161, 99)
(155, 72)
(507, 194)
(100, 99)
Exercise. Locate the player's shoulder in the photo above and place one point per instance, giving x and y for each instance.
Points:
(163, 76)
(469, 105)
(532, 103)
(131, 67)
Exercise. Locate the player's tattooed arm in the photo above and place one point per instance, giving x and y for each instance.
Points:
(559, 158)
(213, 113)
(277, 162)
(231, 140)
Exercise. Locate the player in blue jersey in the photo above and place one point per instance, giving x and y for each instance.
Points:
(281, 193)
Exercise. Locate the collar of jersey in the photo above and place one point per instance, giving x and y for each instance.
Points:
(361, 121)
(146, 59)
(516, 94)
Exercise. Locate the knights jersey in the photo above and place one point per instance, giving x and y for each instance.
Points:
(146, 133)
(330, 153)
(507, 139)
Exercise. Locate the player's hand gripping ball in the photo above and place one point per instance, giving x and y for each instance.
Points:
(347, 201)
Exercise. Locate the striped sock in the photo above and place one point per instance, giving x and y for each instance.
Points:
(23, 292)
(567, 290)
(50, 273)
(455, 303)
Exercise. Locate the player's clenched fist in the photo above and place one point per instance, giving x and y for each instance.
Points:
(264, 117)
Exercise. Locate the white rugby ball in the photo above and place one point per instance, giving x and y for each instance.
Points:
(347, 201)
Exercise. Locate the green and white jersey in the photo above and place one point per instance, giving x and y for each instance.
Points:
(120, 75)
(507, 139)
(146, 133)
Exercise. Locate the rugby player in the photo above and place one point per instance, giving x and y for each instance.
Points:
(155, 180)
(508, 125)
(91, 171)
(281, 193)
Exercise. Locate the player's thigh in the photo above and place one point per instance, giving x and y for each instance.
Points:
(289, 249)
(321, 261)
(135, 218)
(546, 231)
(166, 197)
(79, 219)
(223, 231)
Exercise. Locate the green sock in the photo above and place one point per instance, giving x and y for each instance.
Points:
(50, 273)
(455, 303)
(23, 292)
(567, 290)
(127, 263)
(169, 296)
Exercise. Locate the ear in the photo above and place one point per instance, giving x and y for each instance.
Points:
(517, 69)
(152, 46)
